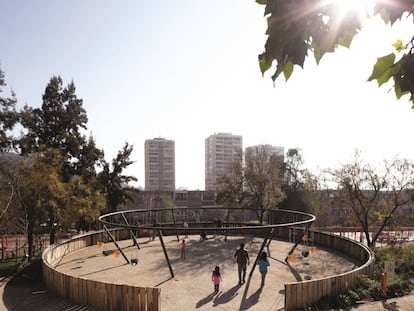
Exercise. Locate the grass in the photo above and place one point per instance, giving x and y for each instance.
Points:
(22, 269)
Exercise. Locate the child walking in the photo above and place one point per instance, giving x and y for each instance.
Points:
(183, 246)
(263, 263)
(216, 279)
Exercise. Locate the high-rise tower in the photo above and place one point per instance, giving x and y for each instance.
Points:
(221, 150)
(159, 165)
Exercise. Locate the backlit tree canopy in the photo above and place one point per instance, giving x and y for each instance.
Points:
(298, 27)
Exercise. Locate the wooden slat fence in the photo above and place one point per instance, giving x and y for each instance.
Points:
(104, 296)
(303, 294)
(108, 297)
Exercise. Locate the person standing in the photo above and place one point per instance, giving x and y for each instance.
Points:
(242, 258)
(216, 279)
(185, 225)
(263, 263)
(183, 247)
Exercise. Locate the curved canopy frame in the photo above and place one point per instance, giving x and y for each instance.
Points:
(150, 219)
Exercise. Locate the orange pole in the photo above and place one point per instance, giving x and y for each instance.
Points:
(384, 284)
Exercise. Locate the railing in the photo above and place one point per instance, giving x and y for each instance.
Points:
(104, 296)
(300, 295)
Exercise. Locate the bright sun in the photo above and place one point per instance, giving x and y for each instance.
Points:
(360, 7)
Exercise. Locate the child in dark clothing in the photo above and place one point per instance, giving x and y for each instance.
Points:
(216, 279)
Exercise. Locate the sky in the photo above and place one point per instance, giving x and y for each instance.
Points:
(184, 70)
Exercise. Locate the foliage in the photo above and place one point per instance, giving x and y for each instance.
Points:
(372, 197)
(57, 124)
(113, 182)
(11, 220)
(300, 186)
(40, 191)
(298, 27)
(402, 254)
(58, 181)
(256, 184)
(8, 116)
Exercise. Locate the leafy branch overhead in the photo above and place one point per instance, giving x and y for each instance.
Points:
(298, 27)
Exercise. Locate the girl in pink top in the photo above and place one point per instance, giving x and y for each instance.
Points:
(183, 246)
(216, 279)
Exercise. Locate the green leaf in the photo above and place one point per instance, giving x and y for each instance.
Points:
(381, 67)
(265, 62)
(346, 39)
(261, 1)
(386, 76)
(287, 70)
(399, 93)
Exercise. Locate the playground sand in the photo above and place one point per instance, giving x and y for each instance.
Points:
(191, 287)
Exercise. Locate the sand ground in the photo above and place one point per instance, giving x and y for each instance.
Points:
(191, 287)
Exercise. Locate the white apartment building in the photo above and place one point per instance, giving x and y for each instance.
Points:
(159, 165)
(220, 153)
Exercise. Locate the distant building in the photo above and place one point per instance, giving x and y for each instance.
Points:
(221, 150)
(159, 165)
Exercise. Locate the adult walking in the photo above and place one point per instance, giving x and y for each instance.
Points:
(242, 258)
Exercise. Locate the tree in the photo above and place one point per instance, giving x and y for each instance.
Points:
(57, 124)
(256, 184)
(8, 116)
(373, 196)
(113, 182)
(12, 220)
(300, 185)
(298, 27)
(40, 192)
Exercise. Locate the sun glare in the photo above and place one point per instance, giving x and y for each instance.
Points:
(360, 7)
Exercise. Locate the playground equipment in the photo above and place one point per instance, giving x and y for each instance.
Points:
(163, 221)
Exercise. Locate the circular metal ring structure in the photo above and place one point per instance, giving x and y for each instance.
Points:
(204, 220)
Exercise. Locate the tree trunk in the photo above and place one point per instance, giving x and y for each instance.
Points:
(30, 241)
(52, 231)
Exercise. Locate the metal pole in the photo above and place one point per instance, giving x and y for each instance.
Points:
(133, 237)
(228, 221)
(175, 224)
(165, 252)
(116, 244)
(261, 250)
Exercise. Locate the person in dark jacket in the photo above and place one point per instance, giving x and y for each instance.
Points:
(242, 258)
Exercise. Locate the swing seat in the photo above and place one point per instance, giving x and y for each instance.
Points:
(134, 261)
(107, 252)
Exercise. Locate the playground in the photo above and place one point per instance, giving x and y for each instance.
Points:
(191, 287)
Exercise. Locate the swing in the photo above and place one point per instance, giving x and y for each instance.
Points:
(134, 259)
(105, 252)
(291, 258)
(305, 252)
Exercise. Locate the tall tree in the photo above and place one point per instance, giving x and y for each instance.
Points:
(57, 124)
(300, 185)
(373, 196)
(255, 184)
(40, 192)
(298, 27)
(8, 116)
(114, 183)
